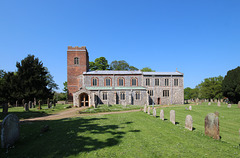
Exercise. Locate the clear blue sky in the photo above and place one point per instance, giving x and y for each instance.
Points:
(200, 38)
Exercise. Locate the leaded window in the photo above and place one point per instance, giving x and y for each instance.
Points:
(76, 60)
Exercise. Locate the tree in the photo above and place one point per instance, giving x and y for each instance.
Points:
(147, 69)
(99, 64)
(211, 88)
(119, 65)
(187, 93)
(231, 85)
(65, 90)
(132, 68)
(35, 79)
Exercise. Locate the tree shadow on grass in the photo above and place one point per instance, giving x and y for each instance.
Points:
(66, 137)
(26, 114)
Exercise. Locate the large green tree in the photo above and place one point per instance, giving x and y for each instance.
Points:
(99, 64)
(121, 65)
(147, 69)
(231, 85)
(211, 88)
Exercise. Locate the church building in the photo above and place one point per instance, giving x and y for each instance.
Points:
(89, 88)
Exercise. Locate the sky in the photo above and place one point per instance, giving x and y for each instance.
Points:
(200, 38)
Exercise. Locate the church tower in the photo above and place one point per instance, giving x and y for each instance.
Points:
(77, 63)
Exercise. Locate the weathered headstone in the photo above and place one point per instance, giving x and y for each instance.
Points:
(10, 131)
(212, 126)
(50, 105)
(26, 107)
(190, 107)
(5, 109)
(149, 108)
(39, 105)
(211, 100)
(172, 116)
(34, 102)
(145, 108)
(189, 122)
(162, 115)
(209, 103)
(219, 103)
(229, 105)
(154, 112)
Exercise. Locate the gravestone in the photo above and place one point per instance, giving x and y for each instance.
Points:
(190, 107)
(16, 103)
(48, 102)
(10, 131)
(145, 108)
(149, 110)
(30, 104)
(211, 100)
(162, 115)
(219, 103)
(154, 112)
(212, 126)
(209, 103)
(23, 102)
(39, 105)
(189, 122)
(26, 107)
(229, 105)
(5, 109)
(50, 105)
(172, 116)
(34, 102)
(238, 104)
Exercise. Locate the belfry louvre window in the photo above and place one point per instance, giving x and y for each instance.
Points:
(120, 82)
(108, 82)
(156, 82)
(165, 93)
(137, 95)
(134, 82)
(104, 96)
(166, 82)
(147, 82)
(175, 82)
(94, 82)
(122, 96)
(76, 60)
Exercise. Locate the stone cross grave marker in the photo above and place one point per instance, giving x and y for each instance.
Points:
(212, 126)
(10, 131)
(149, 110)
(26, 107)
(229, 105)
(162, 115)
(190, 107)
(145, 108)
(189, 122)
(172, 116)
(154, 112)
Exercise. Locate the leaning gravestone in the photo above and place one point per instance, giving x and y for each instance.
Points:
(212, 126)
(154, 112)
(219, 103)
(209, 103)
(145, 108)
(172, 116)
(190, 107)
(229, 105)
(26, 107)
(149, 110)
(10, 131)
(189, 122)
(162, 115)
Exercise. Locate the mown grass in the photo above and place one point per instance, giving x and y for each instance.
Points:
(133, 134)
(34, 112)
(111, 108)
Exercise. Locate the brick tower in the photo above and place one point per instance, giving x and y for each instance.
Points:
(77, 63)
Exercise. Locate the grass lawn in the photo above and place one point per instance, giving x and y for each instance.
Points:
(115, 107)
(34, 112)
(133, 134)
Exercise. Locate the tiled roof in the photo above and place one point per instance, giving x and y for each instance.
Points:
(117, 88)
(162, 73)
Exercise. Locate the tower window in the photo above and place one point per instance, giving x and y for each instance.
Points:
(76, 60)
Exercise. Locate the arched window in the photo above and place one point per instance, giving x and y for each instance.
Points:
(76, 60)
(94, 81)
(121, 82)
(108, 82)
(134, 82)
